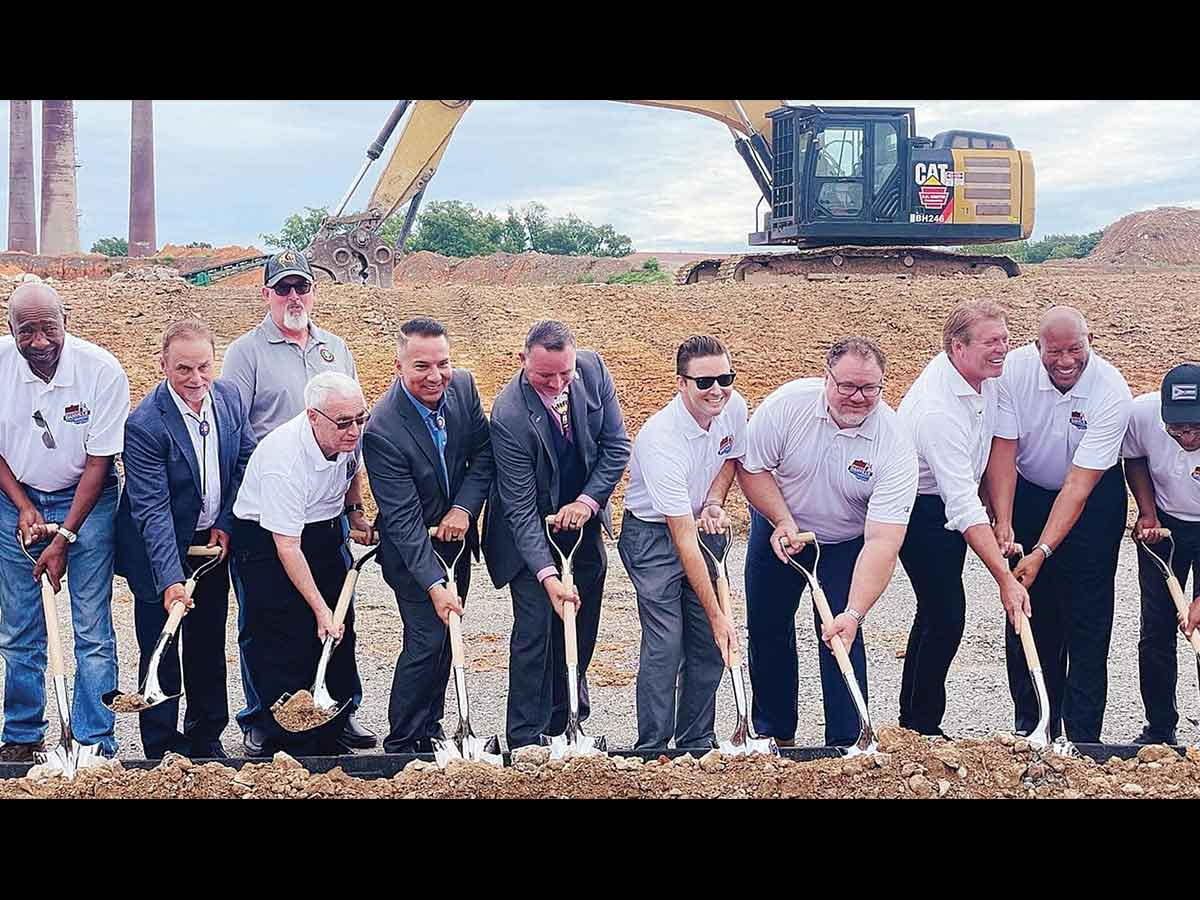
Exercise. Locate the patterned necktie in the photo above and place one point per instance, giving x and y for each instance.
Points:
(562, 407)
(438, 421)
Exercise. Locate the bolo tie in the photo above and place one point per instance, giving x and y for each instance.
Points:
(205, 428)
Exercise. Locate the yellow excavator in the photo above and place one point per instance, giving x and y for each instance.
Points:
(854, 189)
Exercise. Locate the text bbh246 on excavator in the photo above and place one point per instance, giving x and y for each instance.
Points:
(854, 189)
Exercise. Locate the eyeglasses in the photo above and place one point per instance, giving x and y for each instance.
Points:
(704, 382)
(1188, 432)
(47, 437)
(849, 388)
(342, 424)
(301, 288)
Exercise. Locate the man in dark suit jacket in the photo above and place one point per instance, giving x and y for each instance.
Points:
(186, 447)
(429, 461)
(561, 448)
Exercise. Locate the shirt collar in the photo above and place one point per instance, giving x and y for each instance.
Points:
(64, 375)
(185, 410)
(309, 441)
(422, 410)
(1081, 388)
(275, 336)
(868, 429)
(957, 383)
(687, 422)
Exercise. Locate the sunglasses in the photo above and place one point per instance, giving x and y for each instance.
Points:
(301, 288)
(704, 382)
(47, 437)
(343, 424)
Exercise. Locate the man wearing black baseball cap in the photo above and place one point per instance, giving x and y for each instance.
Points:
(270, 365)
(1162, 466)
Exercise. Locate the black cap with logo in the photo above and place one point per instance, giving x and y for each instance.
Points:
(1181, 395)
(289, 262)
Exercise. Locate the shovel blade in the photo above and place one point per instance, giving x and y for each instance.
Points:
(110, 698)
(59, 760)
(333, 714)
(750, 746)
(445, 751)
(478, 750)
(575, 743)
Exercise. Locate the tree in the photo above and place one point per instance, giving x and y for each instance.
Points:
(111, 246)
(454, 228)
(298, 231)
(1054, 246)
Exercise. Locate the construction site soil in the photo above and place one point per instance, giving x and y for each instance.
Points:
(1143, 322)
(909, 767)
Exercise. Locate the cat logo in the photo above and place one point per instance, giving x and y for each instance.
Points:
(1079, 419)
(861, 469)
(726, 445)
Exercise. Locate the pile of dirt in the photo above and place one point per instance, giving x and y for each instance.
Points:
(299, 713)
(147, 273)
(425, 267)
(910, 767)
(215, 254)
(128, 703)
(1167, 236)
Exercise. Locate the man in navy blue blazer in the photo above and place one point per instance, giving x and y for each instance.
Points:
(186, 448)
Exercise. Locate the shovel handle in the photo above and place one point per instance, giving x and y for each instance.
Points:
(53, 643)
(1027, 643)
(360, 536)
(448, 568)
(735, 658)
(343, 601)
(197, 550)
(179, 608)
(570, 642)
(458, 655)
(839, 648)
(805, 537)
(1181, 606)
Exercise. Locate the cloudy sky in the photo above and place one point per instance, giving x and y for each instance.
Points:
(229, 170)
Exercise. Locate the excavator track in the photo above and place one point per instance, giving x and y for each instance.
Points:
(846, 263)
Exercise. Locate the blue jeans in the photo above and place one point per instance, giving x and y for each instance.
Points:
(23, 627)
(246, 716)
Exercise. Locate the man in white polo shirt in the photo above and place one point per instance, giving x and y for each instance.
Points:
(950, 411)
(1162, 466)
(1056, 488)
(288, 540)
(61, 424)
(828, 456)
(682, 467)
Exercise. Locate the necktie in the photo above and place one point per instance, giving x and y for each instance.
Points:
(562, 407)
(437, 423)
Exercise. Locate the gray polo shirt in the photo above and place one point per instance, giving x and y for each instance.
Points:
(270, 371)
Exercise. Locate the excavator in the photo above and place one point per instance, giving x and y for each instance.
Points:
(854, 190)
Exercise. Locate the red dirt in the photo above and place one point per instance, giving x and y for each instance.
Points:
(1167, 236)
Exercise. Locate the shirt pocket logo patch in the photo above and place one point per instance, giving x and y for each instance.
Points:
(1079, 419)
(726, 445)
(861, 469)
(77, 414)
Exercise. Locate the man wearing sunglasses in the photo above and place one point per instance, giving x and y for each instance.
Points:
(289, 543)
(62, 423)
(560, 446)
(429, 460)
(186, 447)
(1162, 466)
(270, 365)
(682, 465)
(951, 411)
(825, 455)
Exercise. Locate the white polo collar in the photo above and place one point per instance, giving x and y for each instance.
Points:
(1079, 389)
(308, 441)
(64, 375)
(869, 428)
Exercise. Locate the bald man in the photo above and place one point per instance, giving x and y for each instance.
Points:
(1057, 489)
(61, 425)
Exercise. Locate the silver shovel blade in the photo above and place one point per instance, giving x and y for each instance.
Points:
(445, 751)
(478, 750)
(1063, 747)
(1039, 738)
(59, 760)
(573, 742)
(89, 756)
(333, 714)
(865, 746)
(748, 746)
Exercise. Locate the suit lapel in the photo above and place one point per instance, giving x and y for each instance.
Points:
(539, 421)
(178, 431)
(578, 414)
(420, 432)
(227, 447)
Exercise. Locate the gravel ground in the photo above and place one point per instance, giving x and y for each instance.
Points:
(979, 699)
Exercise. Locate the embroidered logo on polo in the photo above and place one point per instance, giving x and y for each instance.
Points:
(1196, 474)
(327, 354)
(77, 414)
(726, 445)
(861, 469)
(1079, 419)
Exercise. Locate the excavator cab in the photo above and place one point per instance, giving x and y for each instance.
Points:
(861, 176)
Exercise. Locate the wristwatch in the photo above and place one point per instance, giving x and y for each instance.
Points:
(858, 617)
(353, 507)
(68, 535)
(1045, 548)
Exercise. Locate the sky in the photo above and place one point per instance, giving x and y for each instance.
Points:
(229, 170)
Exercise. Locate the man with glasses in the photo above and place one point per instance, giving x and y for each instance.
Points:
(950, 412)
(824, 455)
(62, 423)
(1056, 489)
(429, 460)
(270, 365)
(186, 447)
(289, 543)
(682, 466)
(1162, 467)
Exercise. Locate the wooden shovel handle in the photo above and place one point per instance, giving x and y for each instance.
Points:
(569, 640)
(1181, 605)
(839, 648)
(458, 656)
(343, 601)
(735, 658)
(197, 550)
(1027, 643)
(53, 642)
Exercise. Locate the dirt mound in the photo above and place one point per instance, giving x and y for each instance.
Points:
(910, 767)
(215, 254)
(509, 268)
(1167, 236)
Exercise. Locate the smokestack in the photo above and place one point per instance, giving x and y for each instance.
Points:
(22, 227)
(142, 237)
(60, 221)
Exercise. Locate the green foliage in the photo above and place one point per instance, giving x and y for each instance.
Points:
(199, 245)
(648, 274)
(298, 231)
(1054, 246)
(651, 265)
(111, 246)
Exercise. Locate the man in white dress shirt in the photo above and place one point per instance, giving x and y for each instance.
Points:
(823, 455)
(1162, 466)
(1055, 478)
(950, 411)
(682, 466)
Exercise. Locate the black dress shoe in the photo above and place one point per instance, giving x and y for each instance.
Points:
(1154, 737)
(356, 736)
(257, 742)
(209, 751)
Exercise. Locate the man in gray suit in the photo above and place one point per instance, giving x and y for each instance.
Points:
(429, 461)
(560, 447)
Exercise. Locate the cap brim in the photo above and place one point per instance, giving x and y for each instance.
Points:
(1180, 413)
(279, 276)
